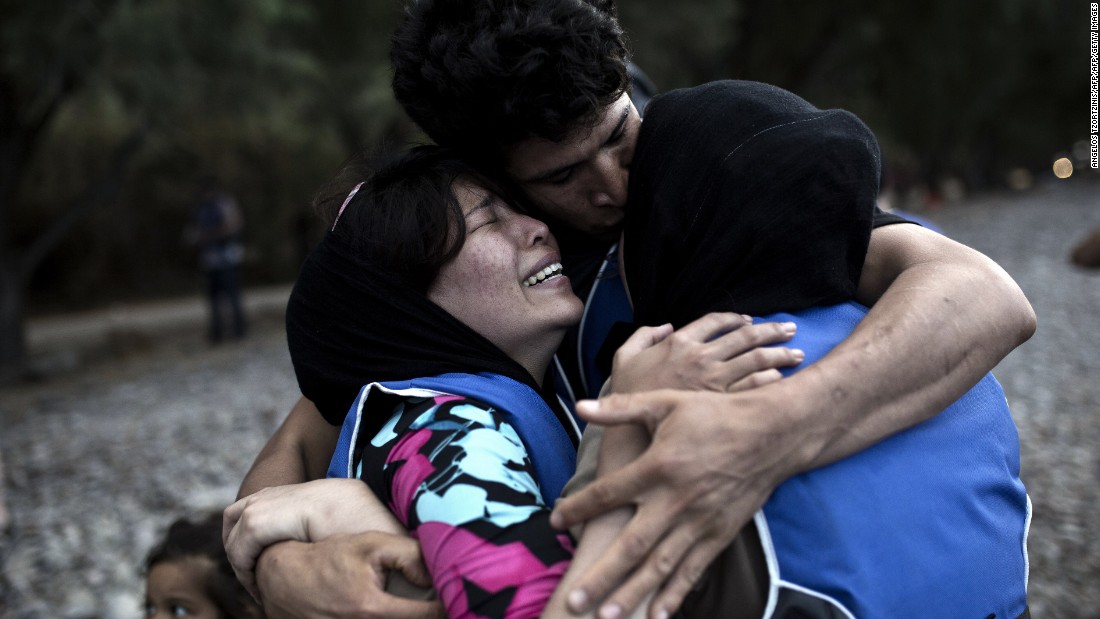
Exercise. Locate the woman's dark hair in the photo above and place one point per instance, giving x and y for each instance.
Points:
(359, 311)
(405, 217)
(202, 539)
(483, 74)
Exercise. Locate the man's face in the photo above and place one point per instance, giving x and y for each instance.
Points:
(581, 180)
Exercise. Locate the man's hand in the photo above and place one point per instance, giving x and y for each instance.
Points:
(703, 476)
(718, 352)
(305, 512)
(343, 576)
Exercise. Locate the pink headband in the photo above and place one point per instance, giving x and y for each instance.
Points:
(343, 206)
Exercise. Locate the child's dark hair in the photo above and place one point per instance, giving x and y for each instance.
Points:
(202, 539)
(405, 216)
(484, 74)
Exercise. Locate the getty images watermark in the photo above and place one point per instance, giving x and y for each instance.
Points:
(1094, 94)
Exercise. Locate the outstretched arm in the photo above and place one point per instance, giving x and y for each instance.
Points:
(946, 315)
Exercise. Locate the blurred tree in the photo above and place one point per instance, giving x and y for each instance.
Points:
(110, 108)
(685, 45)
(351, 40)
(965, 89)
(160, 65)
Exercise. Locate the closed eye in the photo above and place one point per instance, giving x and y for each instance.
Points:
(483, 222)
(617, 136)
(561, 177)
(620, 128)
(483, 214)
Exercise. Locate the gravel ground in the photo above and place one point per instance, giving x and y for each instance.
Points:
(102, 454)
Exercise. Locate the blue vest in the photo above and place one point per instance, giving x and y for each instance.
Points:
(548, 443)
(607, 304)
(931, 522)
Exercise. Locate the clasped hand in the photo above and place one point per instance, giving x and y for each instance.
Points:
(706, 469)
(306, 512)
(718, 352)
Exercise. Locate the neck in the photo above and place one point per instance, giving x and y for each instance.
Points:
(535, 355)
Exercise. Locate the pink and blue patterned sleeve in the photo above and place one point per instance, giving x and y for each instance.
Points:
(459, 478)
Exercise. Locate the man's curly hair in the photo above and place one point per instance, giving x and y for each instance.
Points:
(480, 75)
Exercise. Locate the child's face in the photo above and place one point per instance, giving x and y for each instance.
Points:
(174, 589)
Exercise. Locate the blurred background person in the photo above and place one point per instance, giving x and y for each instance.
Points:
(216, 232)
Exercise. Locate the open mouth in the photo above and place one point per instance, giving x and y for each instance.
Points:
(552, 271)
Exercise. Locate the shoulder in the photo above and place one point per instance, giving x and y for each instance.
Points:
(446, 413)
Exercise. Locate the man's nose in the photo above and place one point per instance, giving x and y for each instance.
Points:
(614, 174)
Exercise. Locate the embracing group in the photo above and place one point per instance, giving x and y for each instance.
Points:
(564, 362)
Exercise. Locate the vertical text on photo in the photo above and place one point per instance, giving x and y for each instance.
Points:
(1094, 94)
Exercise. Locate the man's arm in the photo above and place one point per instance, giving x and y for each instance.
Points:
(946, 316)
(299, 451)
(355, 567)
(306, 512)
(616, 446)
(942, 316)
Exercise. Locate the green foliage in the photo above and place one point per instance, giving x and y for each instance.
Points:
(683, 44)
(269, 95)
(272, 95)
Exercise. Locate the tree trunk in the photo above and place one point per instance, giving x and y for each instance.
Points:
(12, 336)
(15, 273)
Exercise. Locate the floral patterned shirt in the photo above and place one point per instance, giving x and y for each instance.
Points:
(460, 479)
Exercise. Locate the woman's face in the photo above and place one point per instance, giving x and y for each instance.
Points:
(507, 283)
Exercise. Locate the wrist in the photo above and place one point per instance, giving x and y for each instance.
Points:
(268, 564)
(799, 419)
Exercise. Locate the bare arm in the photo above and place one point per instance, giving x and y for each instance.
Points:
(942, 315)
(617, 446)
(946, 315)
(299, 451)
(305, 512)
